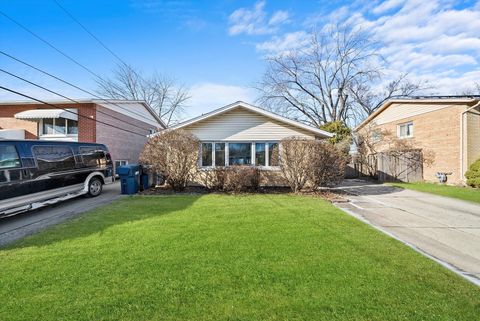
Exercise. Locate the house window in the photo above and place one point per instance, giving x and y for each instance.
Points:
(47, 128)
(207, 156)
(246, 154)
(72, 127)
(59, 126)
(376, 136)
(219, 154)
(405, 130)
(273, 154)
(260, 154)
(239, 153)
(119, 163)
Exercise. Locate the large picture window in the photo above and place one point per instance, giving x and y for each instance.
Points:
(239, 153)
(217, 154)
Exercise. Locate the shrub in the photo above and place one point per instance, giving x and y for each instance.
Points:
(241, 179)
(310, 162)
(295, 161)
(327, 165)
(473, 174)
(173, 154)
(213, 179)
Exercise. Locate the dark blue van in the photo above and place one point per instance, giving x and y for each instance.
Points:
(35, 173)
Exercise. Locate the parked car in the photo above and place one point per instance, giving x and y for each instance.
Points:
(36, 173)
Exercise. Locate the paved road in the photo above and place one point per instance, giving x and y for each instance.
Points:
(444, 228)
(16, 227)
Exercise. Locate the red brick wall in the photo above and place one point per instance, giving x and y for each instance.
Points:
(122, 145)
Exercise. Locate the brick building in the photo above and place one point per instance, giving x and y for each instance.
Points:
(121, 125)
(449, 128)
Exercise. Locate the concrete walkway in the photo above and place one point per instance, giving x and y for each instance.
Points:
(444, 228)
(21, 225)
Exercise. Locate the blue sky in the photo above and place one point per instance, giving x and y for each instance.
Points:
(217, 48)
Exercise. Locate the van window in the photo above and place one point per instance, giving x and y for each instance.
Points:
(93, 156)
(54, 158)
(9, 156)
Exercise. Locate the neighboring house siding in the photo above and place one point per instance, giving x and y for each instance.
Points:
(473, 137)
(399, 111)
(243, 125)
(121, 144)
(437, 131)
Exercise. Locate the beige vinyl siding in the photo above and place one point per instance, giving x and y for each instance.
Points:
(243, 125)
(398, 111)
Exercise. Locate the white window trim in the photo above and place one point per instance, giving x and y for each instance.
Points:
(404, 124)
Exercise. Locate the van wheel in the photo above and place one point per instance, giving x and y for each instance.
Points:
(94, 187)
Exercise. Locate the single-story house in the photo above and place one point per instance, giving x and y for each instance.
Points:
(123, 126)
(243, 134)
(448, 127)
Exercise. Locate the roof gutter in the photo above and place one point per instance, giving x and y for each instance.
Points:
(462, 127)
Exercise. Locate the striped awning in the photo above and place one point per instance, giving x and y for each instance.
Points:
(38, 114)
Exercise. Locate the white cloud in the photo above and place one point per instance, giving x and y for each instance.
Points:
(278, 17)
(254, 21)
(209, 96)
(387, 5)
(284, 43)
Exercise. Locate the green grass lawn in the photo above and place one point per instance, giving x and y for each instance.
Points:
(220, 257)
(463, 193)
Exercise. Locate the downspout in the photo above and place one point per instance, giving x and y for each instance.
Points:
(462, 127)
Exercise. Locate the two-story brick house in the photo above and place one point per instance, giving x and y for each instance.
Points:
(121, 125)
(448, 127)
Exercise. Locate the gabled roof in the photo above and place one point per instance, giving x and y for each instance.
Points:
(423, 100)
(258, 110)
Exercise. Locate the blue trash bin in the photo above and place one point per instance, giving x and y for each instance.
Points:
(129, 177)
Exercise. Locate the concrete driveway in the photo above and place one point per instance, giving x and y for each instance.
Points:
(21, 225)
(444, 228)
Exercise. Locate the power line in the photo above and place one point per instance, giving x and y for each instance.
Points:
(63, 96)
(69, 111)
(49, 44)
(70, 84)
(90, 33)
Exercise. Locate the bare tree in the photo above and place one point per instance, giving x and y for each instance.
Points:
(368, 100)
(163, 94)
(331, 79)
(472, 91)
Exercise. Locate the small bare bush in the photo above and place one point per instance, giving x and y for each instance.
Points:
(311, 162)
(295, 161)
(327, 165)
(241, 179)
(213, 179)
(172, 154)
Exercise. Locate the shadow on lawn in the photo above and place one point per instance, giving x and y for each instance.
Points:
(129, 209)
